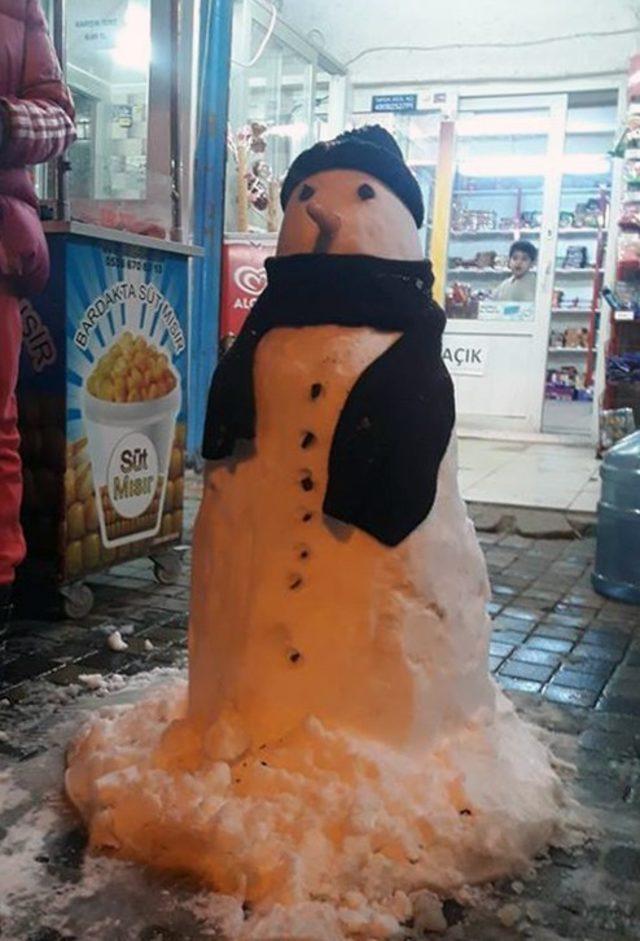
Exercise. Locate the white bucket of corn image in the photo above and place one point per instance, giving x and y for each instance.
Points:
(131, 402)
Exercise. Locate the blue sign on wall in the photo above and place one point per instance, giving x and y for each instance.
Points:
(396, 103)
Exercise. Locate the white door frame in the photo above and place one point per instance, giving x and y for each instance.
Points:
(538, 329)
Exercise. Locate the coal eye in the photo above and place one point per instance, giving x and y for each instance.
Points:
(366, 192)
(306, 193)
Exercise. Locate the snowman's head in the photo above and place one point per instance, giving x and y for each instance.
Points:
(352, 196)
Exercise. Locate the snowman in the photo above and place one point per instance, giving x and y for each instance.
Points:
(342, 736)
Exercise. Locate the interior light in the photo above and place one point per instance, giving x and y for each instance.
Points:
(506, 124)
(295, 131)
(132, 49)
(586, 164)
(514, 165)
(507, 165)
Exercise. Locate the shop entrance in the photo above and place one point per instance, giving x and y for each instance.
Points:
(497, 172)
(518, 195)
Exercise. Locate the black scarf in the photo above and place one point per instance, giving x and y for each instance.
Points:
(396, 423)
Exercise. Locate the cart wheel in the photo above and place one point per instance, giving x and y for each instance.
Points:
(167, 567)
(77, 601)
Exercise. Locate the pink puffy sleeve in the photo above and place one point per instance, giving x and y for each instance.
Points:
(38, 119)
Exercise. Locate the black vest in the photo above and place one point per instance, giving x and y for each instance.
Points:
(396, 423)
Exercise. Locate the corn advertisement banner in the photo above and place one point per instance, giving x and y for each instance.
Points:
(123, 362)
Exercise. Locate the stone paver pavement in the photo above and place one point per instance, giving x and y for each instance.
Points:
(569, 658)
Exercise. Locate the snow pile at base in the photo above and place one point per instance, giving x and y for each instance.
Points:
(322, 816)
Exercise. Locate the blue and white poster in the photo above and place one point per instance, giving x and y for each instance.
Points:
(126, 375)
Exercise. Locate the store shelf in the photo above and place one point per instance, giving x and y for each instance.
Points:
(505, 192)
(569, 190)
(523, 233)
(484, 233)
(577, 272)
(499, 272)
(570, 349)
(576, 230)
(573, 311)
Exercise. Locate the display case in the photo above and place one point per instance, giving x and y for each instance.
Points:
(495, 171)
(132, 86)
(497, 199)
(621, 399)
(285, 94)
(527, 231)
(419, 137)
(501, 248)
(103, 381)
(583, 223)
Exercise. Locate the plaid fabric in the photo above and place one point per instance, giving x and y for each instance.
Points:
(36, 112)
(35, 105)
(37, 130)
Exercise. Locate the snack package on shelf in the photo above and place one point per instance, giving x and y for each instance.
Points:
(629, 137)
(481, 261)
(632, 173)
(462, 302)
(624, 367)
(630, 216)
(625, 301)
(561, 383)
(628, 255)
(588, 215)
(485, 259)
(531, 220)
(576, 256)
(615, 424)
(576, 337)
(472, 220)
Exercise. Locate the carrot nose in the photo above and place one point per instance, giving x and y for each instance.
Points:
(327, 222)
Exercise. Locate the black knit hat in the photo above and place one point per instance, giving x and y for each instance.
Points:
(370, 149)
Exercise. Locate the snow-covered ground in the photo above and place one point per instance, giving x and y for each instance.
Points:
(51, 890)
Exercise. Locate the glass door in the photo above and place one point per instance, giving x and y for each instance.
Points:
(582, 230)
(501, 242)
(497, 204)
(418, 136)
(283, 97)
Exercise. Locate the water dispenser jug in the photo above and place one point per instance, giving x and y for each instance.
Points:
(617, 568)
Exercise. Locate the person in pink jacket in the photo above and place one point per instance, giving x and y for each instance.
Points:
(36, 124)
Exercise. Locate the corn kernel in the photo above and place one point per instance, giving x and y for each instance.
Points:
(175, 464)
(69, 486)
(73, 561)
(105, 390)
(90, 516)
(84, 482)
(75, 521)
(131, 371)
(91, 551)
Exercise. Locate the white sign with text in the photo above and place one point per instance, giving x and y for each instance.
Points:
(506, 310)
(465, 356)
